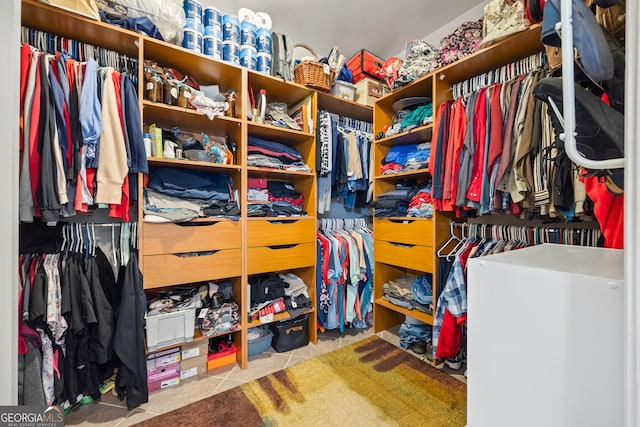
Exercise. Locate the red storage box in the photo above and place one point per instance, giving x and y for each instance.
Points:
(364, 64)
(226, 356)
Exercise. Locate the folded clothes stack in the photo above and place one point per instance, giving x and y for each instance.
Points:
(410, 292)
(404, 158)
(421, 204)
(273, 198)
(175, 195)
(271, 154)
(393, 203)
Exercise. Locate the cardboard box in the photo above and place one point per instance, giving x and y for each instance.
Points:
(193, 366)
(368, 90)
(195, 349)
(162, 377)
(161, 359)
(344, 90)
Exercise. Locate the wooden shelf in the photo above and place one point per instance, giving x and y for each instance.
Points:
(419, 134)
(512, 48)
(424, 317)
(278, 134)
(204, 69)
(408, 174)
(402, 218)
(58, 21)
(191, 164)
(344, 107)
(420, 87)
(278, 317)
(282, 218)
(255, 171)
(277, 89)
(197, 337)
(186, 119)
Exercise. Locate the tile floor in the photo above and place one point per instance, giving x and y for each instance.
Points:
(110, 411)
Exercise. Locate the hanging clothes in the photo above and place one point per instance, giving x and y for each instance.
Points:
(343, 160)
(494, 151)
(69, 305)
(346, 278)
(73, 115)
(482, 240)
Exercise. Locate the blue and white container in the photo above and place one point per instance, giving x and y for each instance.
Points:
(211, 17)
(192, 40)
(264, 62)
(249, 57)
(214, 31)
(212, 46)
(248, 34)
(263, 40)
(193, 13)
(231, 52)
(230, 29)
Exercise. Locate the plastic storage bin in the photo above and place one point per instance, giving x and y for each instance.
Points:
(261, 342)
(344, 90)
(171, 328)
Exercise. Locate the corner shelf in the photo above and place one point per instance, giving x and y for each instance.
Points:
(400, 175)
(419, 134)
(186, 118)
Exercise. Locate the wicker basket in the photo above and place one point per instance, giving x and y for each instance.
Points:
(312, 73)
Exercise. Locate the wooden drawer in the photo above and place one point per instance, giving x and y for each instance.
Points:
(191, 237)
(414, 257)
(410, 231)
(168, 270)
(280, 258)
(280, 232)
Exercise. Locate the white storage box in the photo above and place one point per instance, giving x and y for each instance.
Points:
(344, 90)
(171, 328)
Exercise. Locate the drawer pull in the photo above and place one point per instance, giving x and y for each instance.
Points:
(194, 254)
(402, 221)
(197, 224)
(278, 247)
(402, 245)
(282, 221)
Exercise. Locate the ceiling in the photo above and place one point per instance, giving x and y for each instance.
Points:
(381, 27)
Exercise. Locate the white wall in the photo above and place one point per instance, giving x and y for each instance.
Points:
(472, 14)
(631, 213)
(9, 116)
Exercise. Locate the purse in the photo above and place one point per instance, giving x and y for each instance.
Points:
(290, 334)
(501, 19)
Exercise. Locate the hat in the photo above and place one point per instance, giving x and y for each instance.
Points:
(278, 112)
(405, 103)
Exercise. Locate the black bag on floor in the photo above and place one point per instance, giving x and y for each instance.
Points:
(290, 334)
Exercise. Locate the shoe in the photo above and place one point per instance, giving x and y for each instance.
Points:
(418, 347)
(588, 38)
(456, 362)
(599, 127)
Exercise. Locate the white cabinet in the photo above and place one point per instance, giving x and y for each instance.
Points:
(545, 338)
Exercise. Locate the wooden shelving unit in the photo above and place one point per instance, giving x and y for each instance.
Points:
(406, 245)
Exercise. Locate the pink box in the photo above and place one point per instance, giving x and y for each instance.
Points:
(163, 377)
(163, 358)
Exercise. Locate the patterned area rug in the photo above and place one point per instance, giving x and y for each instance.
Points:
(369, 383)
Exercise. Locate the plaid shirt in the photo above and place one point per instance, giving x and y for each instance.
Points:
(452, 298)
